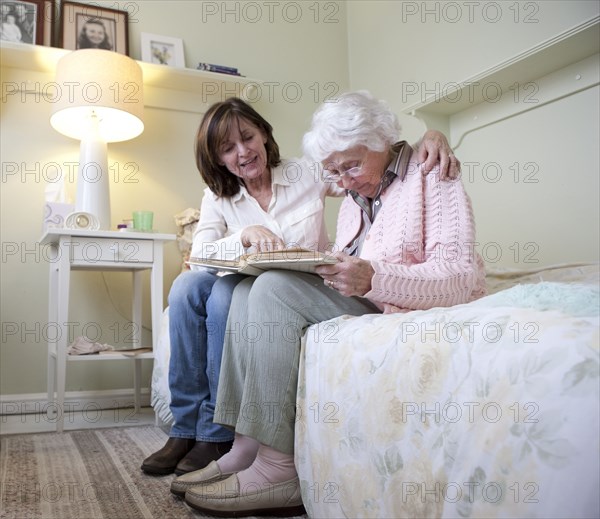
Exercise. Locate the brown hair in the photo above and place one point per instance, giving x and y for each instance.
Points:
(213, 131)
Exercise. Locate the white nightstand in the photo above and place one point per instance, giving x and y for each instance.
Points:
(99, 250)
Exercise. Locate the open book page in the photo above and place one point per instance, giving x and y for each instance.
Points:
(254, 264)
(288, 259)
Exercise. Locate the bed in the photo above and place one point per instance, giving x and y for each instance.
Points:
(488, 409)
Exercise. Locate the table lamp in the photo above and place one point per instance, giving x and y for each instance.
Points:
(100, 101)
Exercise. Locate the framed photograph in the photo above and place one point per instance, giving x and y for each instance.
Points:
(85, 26)
(163, 50)
(27, 21)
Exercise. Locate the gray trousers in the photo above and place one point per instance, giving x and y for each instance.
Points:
(259, 369)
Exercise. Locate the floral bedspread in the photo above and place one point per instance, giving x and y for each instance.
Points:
(489, 409)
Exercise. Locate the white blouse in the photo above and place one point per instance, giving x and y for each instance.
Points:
(295, 213)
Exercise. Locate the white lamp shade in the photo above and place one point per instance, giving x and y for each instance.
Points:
(102, 83)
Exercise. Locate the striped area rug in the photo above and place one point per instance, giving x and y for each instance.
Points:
(85, 474)
(88, 474)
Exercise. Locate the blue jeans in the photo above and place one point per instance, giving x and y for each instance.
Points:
(198, 307)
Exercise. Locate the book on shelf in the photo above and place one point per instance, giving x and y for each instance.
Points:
(221, 69)
(256, 263)
(130, 352)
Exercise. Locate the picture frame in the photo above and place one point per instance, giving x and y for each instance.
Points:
(163, 50)
(27, 21)
(85, 26)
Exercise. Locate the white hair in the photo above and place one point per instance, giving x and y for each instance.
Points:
(353, 119)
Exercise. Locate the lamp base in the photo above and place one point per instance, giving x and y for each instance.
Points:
(93, 194)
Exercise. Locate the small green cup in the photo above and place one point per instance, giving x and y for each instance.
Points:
(142, 220)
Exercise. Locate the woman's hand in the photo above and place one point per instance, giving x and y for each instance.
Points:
(351, 276)
(261, 239)
(434, 148)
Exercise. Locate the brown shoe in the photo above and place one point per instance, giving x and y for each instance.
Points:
(166, 459)
(201, 455)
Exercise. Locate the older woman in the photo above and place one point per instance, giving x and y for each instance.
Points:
(254, 198)
(393, 226)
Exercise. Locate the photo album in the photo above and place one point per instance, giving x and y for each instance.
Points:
(254, 264)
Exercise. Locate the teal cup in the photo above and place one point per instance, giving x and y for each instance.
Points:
(142, 220)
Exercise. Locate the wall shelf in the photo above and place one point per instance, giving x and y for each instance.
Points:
(30, 66)
(558, 67)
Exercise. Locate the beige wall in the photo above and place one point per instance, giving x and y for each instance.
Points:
(533, 179)
(299, 49)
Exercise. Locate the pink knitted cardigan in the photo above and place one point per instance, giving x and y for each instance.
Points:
(421, 245)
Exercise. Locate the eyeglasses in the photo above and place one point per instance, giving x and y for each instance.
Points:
(336, 176)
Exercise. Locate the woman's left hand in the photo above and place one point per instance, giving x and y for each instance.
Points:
(434, 149)
(350, 276)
